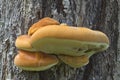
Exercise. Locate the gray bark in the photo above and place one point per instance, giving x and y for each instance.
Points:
(16, 16)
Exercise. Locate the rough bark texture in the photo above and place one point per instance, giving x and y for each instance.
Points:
(16, 16)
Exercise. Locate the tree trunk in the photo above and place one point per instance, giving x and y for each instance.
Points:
(16, 16)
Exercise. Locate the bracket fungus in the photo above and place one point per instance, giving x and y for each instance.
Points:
(34, 61)
(75, 61)
(43, 22)
(72, 45)
(61, 39)
(23, 42)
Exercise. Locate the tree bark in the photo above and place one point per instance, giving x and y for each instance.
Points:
(16, 16)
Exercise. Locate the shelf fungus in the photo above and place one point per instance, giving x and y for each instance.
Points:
(43, 22)
(34, 61)
(74, 61)
(23, 42)
(72, 45)
(62, 39)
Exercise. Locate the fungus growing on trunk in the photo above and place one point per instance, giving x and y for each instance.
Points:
(72, 41)
(43, 22)
(23, 42)
(34, 61)
(75, 61)
(72, 45)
